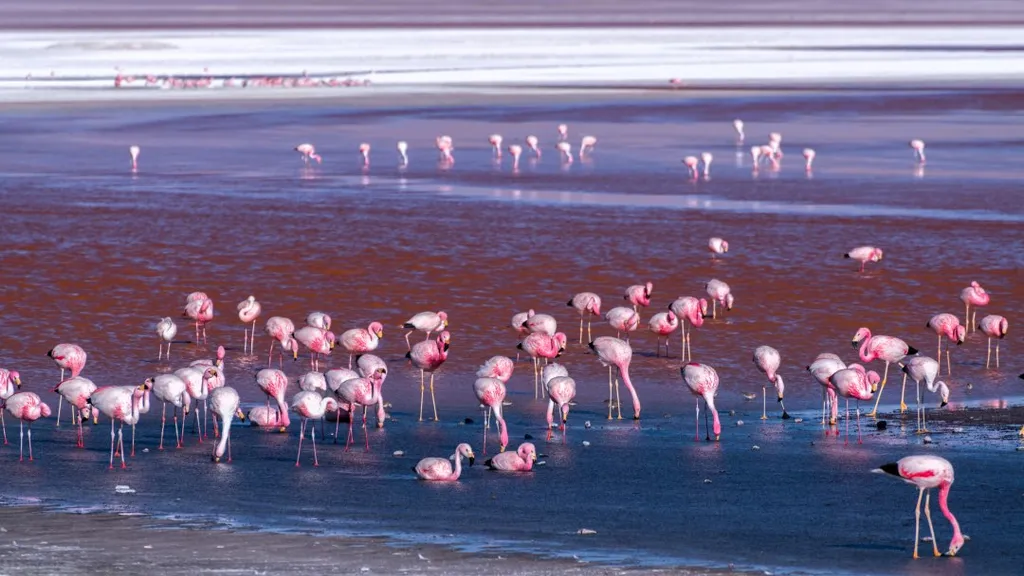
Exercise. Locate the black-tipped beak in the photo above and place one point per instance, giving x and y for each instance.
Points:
(854, 343)
(472, 459)
(943, 405)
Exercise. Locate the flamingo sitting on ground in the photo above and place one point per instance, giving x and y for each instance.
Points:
(717, 246)
(171, 388)
(248, 311)
(823, 367)
(541, 323)
(519, 461)
(10, 381)
(69, 357)
(623, 319)
(639, 295)
(663, 324)
(26, 407)
(281, 329)
(586, 304)
(720, 293)
(319, 320)
(540, 345)
(428, 322)
(440, 469)
(976, 295)
(864, 254)
(166, 329)
(767, 360)
(224, 403)
(365, 391)
(693, 311)
(924, 368)
(703, 383)
(77, 391)
(949, 326)
(614, 352)
(490, 392)
(854, 383)
(927, 472)
(274, 383)
(310, 406)
(362, 340)
(428, 356)
(886, 348)
(308, 152)
(993, 326)
(561, 391)
(119, 403)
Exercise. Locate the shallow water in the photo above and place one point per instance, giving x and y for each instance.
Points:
(220, 204)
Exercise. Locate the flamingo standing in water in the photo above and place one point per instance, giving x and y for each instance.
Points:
(274, 383)
(614, 352)
(440, 469)
(737, 125)
(310, 406)
(993, 326)
(586, 146)
(623, 319)
(519, 325)
(516, 151)
(444, 146)
(26, 407)
(706, 158)
(318, 341)
(491, 394)
(428, 322)
(519, 461)
(566, 149)
(767, 360)
(823, 367)
(69, 357)
(693, 311)
(976, 295)
(199, 380)
(703, 383)
(200, 309)
(639, 295)
(924, 368)
(133, 152)
(166, 329)
(403, 156)
(563, 132)
(365, 391)
(224, 403)
(119, 403)
(364, 151)
(77, 391)
(171, 388)
(495, 141)
(864, 254)
(561, 391)
(501, 368)
(281, 329)
(319, 319)
(362, 340)
(544, 323)
(717, 246)
(663, 324)
(927, 472)
(854, 383)
(248, 311)
(692, 166)
(532, 144)
(540, 345)
(586, 304)
(949, 326)
(308, 152)
(428, 356)
(720, 293)
(918, 147)
(809, 155)
(886, 348)
(10, 381)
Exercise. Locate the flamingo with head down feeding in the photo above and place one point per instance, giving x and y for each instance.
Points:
(540, 345)
(365, 391)
(717, 246)
(920, 368)
(519, 461)
(273, 383)
(561, 392)
(767, 360)
(618, 353)
(703, 383)
(993, 326)
(662, 325)
(199, 308)
(720, 293)
(224, 403)
(308, 152)
(119, 403)
(586, 304)
(440, 469)
(976, 295)
(886, 348)
(926, 472)
(281, 329)
(77, 391)
(490, 392)
(823, 367)
(689, 310)
(500, 368)
(26, 407)
(69, 357)
(949, 326)
(853, 382)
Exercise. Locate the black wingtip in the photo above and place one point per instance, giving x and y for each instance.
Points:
(591, 345)
(846, 255)
(890, 468)
(408, 354)
(519, 346)
(488, 463)
(911, 350)
(407, 325)
(413, 468)
(569, 303)
(1022, 376)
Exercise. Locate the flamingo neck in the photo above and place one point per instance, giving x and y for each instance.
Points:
(624, 370)
(458, 466)
(551, 410)
(863, 352)
(709, 399)
(225, 430)
(944, 506)
(502, 430)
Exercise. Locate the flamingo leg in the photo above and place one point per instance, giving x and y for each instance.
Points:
(974, 319)
(920, 410)
(168, 351)
(21, 441)
(536, 378)
(878, 398)
(988, 359)
(764, 403)
(302, 432)
(270, 358)
(245, 339)
(928, 516)
(111, 443)
(696, 430)
(707, 429)
(178, 440)
(120, 444)
(590, 337)
(60, 399)
(689, 346)
(847, 442)
(618, 403)
(312, 435)
(81, 436)
(163, 423)
(859, 440)
(949, 366)
(351, 413)
(252, 349)
(997, 353)
(486, 426)
(581, 329)
(682, 341)
(917, 518)
(432, 399)
(226, 431)
(967, 315)
(421, 397)
(206, 420)
(366, 433)
(337, 423)
(133, 441)
(4, 424)
(30, 458)
(903, 405)
(609, 392)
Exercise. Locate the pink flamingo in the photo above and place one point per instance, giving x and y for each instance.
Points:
(248, 311)
(519, 461)
(717, 246)
(77, 391)
(563, 132)
(403, 149)
(335, 378)
(927, 472)
(623, 319)
(310, 406)
(362, 340)
(119, 403)
(519, 325)
(692, 166)
(561, 391)
(313, 382)
(854, 383)
(566, 150)
(427, 322)
(737, 124)
(199, 380)
(976, 295)
(364, 151)
(949, 326)
(720, 293)
(886, 348)
(540, 345)
(516, 151)
(491, 393)
(993, 326)
(541, 323)
(495, 141)
(200, 311)
(69, 357)
(166, 329)
(274, 384)
(706, 158)
(26, 407)
(864, 254)
(428, 356)
(267, 418)
(693, 311)
(224, 403)
(587, 146)
(440, 469)
(663, 324)
(755, 157)
(809, 155)
(703, 383)
(639, 294)
(767, 360)
(444, 146)
(924, 368)
(281, 329)
(499, 367)
(319, 320)
(823, 367)
(10, 380)
(317, 340)
(308, 152)
(133, 151)
(586, 304)
(918, 147)
(171, 388)
(363, 392)
(614, 352)
(532, 144)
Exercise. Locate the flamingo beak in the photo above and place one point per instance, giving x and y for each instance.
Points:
(854, 343)
(282, 429)
(216, 460)
(502, 449)
(472, 459)
(17, 381)
(295, 353)
(717, 436)
(380, 333)
(240, 414)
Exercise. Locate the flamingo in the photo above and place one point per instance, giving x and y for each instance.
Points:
(993, 326)
(663, 324)
(362, 340)
(924, 368)
(274, 384)
(133, 152)
(823, 367)
(495, 141)
(199, 380)
(281, 329)
(614, 352)
(541, 323)
(403, 148)
(864, 254)
(703, 383)
(692, 164)
(519, 325)
(949, 326)
(224, 403)
(706, 158)
(809, 155)
(313, 382)
(540, 345)
(444, 146)
(428, 322)
(77, 391)
(689, 310)
(720, 293)
(310, 406)
(69, 357)
(563, 132)
(566, 149)
(755, 157)
(308, 152)
(428, 356)
(854, 383)
(767, 360)
(119, 403)
(440, 469)
(171, 388)
(499, 367)
(519, 461)
(268, 418)
(561, 391)
(248, 311)
(532, 144)
(362, 392)
(166, 329)
(26, 407)
(319, 320)
(364, 151)
(587, 145)
(200, 310)
(717, 246)
(918, 147)
(516, 151)
(976, 295)
(586, 304)
(317, 340)
(491, 394)
(639, 295)
(774, 143)
(10, 382)
(737, 125)
(335, 378)
(927, 472)
(623, 319)
(886, 348)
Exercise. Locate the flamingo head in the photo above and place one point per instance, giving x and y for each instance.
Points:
(960, 332)
(331, 339)
(467, 451)
(444, 340)
(560, 338)
(527, 451)
(44, 410)
(860, 336)
(725, 246)
(648, 289)
(565, 412)
(873, 379)
(377, 328)
(729, 301)
(671, 317)
(15, 377)
(220, 352)
(876, 254)
(239, 414)
(956, 544)
(444, 318)
(211, 373)
(943, 393)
